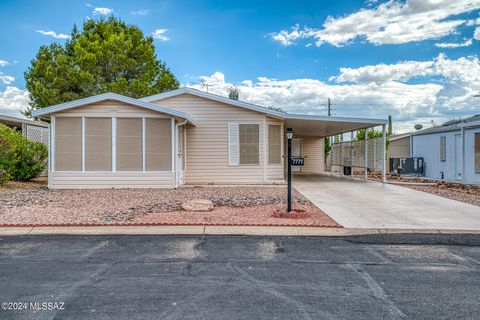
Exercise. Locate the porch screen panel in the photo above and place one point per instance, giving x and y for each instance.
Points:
(274, 144)
(98, 144)
(68, 144)
(129, 144)
(249, 143)
(158, 144)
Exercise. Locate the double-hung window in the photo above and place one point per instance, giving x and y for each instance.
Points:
(274, 144)
(243, 144)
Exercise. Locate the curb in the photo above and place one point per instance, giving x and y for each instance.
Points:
(219, 230)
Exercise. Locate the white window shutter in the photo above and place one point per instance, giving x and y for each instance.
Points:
(233, 145)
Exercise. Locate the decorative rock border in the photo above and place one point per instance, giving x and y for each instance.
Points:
(295, 214)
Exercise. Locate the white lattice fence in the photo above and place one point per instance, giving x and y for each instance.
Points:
(35, 133)
(352, 154)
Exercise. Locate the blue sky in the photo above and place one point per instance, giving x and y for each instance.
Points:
(415, 59)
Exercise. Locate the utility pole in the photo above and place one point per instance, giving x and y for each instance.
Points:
(329, 107)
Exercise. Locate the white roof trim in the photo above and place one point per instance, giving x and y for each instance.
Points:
(22, 120)
(293, 116)
(198, 93)
(112, 96)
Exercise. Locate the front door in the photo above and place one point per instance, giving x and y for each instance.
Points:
(296, 152)
(181, 155)
(458, 157)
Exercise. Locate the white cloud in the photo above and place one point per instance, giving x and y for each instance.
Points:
(3, 63)
(13, 100)
(54, 34)
(102, 11)
(383, 73)
(159, 34)
(393, 22)
(5, 79)
(142, 12)
(373, 91)
(464, 69)
(448, 45)
(476, 34)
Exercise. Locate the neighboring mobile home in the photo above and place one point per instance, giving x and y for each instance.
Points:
(32, 130)
(177, 137)
(451, 151)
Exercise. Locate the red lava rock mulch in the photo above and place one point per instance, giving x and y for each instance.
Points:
(34, 204)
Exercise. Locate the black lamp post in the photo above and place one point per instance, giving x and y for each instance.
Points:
(289, 134)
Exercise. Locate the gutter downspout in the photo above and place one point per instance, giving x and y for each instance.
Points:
(176, 151)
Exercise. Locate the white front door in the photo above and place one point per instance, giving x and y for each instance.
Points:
(180, 161)
(296, 152)
(458, 157)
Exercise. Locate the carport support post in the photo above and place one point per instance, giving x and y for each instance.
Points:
(351, 154)
(384, 152)
(366, 154)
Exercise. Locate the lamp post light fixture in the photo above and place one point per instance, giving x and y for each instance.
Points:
(289, 134)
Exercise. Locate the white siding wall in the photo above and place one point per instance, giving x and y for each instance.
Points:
(470, 174)
(96, 180)
(428, 147)
(207, 143)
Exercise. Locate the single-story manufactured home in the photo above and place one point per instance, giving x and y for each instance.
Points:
(451, 151)
(184, 136)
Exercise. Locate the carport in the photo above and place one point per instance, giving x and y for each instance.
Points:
(353, 154)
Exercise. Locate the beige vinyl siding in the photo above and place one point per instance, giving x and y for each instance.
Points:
(207, 143)
(99, 180)
(110, 108)
(313, 148)
(275, 172)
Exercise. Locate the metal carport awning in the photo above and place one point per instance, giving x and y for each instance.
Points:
(319, 126)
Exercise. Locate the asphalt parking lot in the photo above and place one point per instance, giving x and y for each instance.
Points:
(214, 277)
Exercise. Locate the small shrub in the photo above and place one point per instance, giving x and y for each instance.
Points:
(20, 158)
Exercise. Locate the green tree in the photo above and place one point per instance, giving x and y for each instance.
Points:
(372, 133)
(107, 55)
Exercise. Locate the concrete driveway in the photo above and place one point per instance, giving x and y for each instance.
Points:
(360, 204)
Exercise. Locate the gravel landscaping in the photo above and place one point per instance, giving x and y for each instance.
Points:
(450, 190)
(32, 203)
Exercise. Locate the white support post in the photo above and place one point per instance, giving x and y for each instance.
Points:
(351, 154)
(384, 152)
(265, 149)
(144, 144)
(83, 144)
(463, 153)
(52, 143)
(114, 144)
(366, 154)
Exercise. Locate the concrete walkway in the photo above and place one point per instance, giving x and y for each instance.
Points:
(360, 204)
